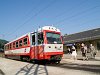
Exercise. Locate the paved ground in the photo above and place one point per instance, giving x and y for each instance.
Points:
(67, 67)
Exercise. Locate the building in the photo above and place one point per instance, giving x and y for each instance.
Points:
(87, 37)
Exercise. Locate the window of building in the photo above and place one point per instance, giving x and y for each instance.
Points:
(20, 43)
(25, 41)
(17, 44)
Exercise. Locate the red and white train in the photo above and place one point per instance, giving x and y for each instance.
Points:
(44, 44)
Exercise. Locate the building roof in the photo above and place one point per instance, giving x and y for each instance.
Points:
(83, 36)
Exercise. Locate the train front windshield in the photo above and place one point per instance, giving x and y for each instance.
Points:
(53, 38)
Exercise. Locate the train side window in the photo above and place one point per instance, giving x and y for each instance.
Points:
(7, 47)
(4, 48)
(17, 44)
(25, 41)
(14, 45)
(10, 46)
(33, 39)
(20, 43)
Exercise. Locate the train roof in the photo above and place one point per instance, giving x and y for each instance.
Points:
(19, 37)
(50, 28)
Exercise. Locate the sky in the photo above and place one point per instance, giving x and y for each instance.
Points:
(18, 17)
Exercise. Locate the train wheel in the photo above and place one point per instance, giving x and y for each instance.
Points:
(6, 56)
(36, 61)
(21, 58)
(58, 62)
(29, 59)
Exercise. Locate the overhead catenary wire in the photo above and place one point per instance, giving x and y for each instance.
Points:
(85, 22)
(43, 9)
(70, 9)
(81, 24)
(77, 14)
(34, 8)
(58, 22)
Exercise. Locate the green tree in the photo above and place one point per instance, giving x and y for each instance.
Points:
(2, 42)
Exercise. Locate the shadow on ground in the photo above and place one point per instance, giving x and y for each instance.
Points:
(36, 69)
(1, 72)
(33, 69)
(84, 67)
(90, 59)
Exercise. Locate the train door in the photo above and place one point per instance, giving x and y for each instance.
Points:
(37, 45)
(34, 46)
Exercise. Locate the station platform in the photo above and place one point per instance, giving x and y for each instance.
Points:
(67, 58)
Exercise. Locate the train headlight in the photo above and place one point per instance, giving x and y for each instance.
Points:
(60, 46)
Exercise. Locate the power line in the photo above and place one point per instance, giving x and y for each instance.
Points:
(34, 8)
(86, 22)
(76, 15)
(70, 9)
(27, 15)
(47, 6)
